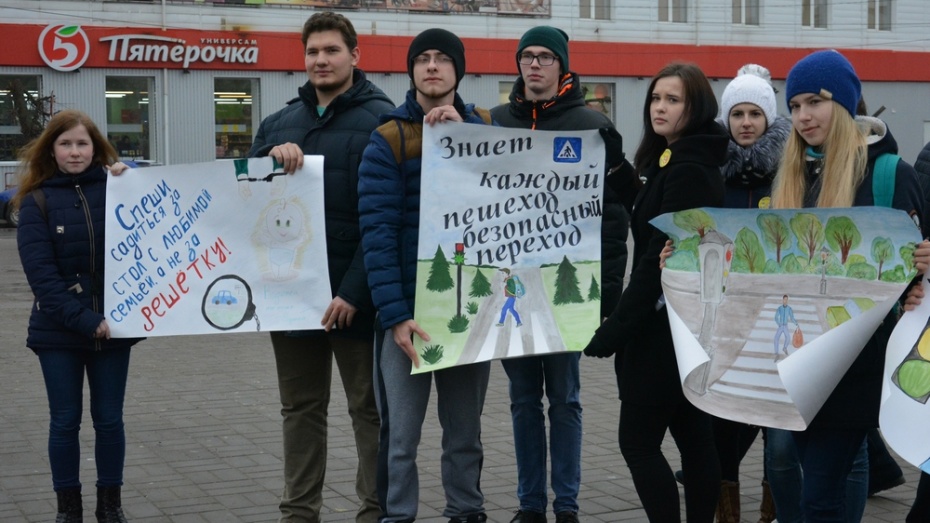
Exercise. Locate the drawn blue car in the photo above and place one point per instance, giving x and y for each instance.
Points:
(224, 297)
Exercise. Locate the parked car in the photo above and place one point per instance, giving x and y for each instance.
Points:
(6, 209)
(11, 217)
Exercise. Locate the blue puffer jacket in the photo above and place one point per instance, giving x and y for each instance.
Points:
(389, 207)
(63, 260)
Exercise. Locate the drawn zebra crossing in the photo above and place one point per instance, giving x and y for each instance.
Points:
(754, 374)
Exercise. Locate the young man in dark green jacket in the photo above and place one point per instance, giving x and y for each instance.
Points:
(548, 96)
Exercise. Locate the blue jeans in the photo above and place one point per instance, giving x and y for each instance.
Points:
(828, 459)
(857, 484)
(64, 383)
(783, 470)
(559, 374)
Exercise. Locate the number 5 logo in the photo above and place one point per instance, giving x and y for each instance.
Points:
(64, 48)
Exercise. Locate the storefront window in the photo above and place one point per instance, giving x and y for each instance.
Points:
(503, 91)
(129, 116)
(19, 97)
(232, 101)
(599, 96)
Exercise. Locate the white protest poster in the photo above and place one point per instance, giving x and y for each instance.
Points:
(227, 246)
(905, 414)
(769, 308)
(509, 243)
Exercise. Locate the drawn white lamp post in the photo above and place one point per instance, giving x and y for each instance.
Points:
(824, 253)
(716, 253)
(458, 258)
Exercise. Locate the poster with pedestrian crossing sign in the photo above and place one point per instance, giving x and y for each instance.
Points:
(509, 246)
(769, 308)
(207, 248)
(905, 411)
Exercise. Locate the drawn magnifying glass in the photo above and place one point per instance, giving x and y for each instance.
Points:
(228, 304)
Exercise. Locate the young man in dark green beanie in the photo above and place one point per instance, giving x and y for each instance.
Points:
(548, 96)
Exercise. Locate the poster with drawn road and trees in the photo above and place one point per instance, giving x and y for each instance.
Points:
(769, 308)
(509, 244)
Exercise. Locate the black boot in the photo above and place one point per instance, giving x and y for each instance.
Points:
(70, 507)
(474, 518)
(109, 506)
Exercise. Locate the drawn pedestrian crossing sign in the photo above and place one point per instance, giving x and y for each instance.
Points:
(566, 150)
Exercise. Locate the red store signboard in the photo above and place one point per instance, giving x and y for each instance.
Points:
(68, 47)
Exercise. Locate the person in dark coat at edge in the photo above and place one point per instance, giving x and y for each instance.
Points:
(333, 116)
(548, 96)
(920, 510)
(62, 201)
(679, 158)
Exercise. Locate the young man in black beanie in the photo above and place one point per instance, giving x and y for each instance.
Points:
(389, 196)
(335, 111)
(548, 96)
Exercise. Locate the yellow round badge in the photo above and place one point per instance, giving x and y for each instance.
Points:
(765, 203)
(665, 158)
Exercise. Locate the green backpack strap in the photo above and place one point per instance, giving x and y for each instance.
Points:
(883, 177)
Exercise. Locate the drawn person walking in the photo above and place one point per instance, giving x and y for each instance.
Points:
(510, 298)
(783, 315)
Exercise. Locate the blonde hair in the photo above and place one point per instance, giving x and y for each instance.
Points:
(38, 156)
(844, 165)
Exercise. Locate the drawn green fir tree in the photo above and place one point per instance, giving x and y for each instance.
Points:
(480, 286)
(566, 284)
(440, 277)
(594, 290)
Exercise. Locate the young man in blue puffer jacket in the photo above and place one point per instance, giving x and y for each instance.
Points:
(389, 204)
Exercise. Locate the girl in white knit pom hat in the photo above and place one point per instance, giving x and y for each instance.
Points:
(757, 138)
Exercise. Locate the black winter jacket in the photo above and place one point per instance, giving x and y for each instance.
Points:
(567, 111)
(62, 253)
(638, 329)
(855, 401)
(340, 134)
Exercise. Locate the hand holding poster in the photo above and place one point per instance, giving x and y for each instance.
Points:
(509, 242)
(742, 282)
(216, 247)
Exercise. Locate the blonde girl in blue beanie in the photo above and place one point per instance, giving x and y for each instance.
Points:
(828, 162)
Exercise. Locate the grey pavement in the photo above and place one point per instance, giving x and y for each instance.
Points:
(204, 440)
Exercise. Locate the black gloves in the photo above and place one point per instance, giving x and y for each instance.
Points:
(621, 177)
(613, 142)
(597, 349)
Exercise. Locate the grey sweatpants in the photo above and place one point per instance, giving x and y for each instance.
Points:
(461, 393)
